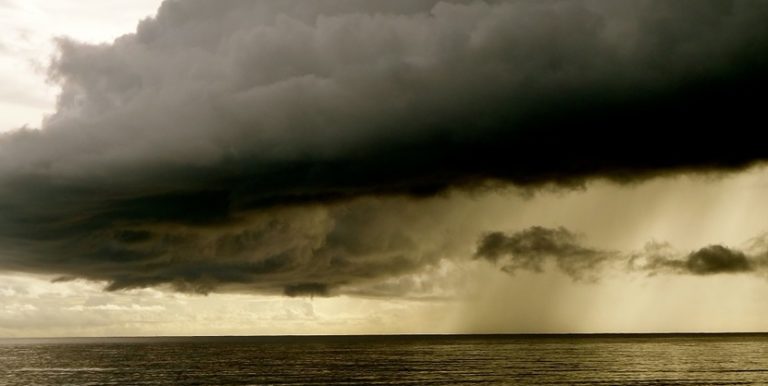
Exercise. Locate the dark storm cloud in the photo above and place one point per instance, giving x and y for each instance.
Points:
(710, 260)
(306, 251)
(533, 248)
(183, 153)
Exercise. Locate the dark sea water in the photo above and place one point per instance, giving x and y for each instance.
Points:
(416, 360)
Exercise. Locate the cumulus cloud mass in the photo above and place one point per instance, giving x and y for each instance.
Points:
(228, 144)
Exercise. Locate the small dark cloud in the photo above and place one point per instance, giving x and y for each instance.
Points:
(63, 279)
(531, 249)
(710, 260)
(717, 259)
(307, 289)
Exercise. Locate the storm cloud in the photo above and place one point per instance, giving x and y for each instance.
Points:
(710, 260)
(535, 248)
(302, 251)
(531, 249)
(231, 144)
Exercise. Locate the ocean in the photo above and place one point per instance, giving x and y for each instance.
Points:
(680, 359)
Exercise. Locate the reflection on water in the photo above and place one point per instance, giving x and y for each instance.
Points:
(417, 360)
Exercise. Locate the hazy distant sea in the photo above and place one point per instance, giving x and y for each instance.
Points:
(417, 360)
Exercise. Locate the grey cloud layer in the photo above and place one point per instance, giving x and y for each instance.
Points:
(178, 154)
(307, 251)
(534, 248)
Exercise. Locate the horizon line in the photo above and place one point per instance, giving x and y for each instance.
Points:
(417, 335)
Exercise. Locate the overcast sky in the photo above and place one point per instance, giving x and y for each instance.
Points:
(337, 166)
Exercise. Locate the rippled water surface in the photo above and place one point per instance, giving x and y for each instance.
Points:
(417, 360)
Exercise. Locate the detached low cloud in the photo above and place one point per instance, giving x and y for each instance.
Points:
(534, 248)
(714, 259)
(531, 249)
(226, 145)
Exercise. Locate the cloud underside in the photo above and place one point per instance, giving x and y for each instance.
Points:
(536, 248)
(228, 144)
